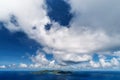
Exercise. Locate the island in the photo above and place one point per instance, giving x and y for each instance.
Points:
(55, 72)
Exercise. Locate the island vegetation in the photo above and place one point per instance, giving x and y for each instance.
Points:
(56, 72)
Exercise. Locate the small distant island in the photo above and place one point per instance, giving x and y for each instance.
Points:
(56, 72)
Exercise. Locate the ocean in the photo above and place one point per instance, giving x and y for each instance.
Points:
(81, 75)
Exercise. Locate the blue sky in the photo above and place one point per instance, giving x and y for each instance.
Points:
(60, 34)
(14, 46)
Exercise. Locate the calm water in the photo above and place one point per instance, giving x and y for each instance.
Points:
(74, 76)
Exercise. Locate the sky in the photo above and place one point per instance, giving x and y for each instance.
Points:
(59, 34)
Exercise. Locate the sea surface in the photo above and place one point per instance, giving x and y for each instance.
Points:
(83, 75)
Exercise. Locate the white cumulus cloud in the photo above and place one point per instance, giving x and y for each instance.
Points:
(2, 67)
(22, 65)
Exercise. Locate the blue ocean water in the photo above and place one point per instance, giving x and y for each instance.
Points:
(83, 75)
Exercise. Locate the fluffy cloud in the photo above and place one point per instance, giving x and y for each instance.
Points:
(105, 63)
(22, 65)
(26, 14)
(70, 61)
(40, 59)
(96, 14)
(93, 28)
(71, 58)
(2, 67)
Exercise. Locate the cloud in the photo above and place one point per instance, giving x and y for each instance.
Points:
(94, 28)
(105, 63)
(40, 59)
(71, 58)
(2, 67)
(91, 30)
(109, 63)
(96, 14)
(73, 61)
(25, 13)
(11, 66)
(116, 53)
(94, 64)
(22, 65)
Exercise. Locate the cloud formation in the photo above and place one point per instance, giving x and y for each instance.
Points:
(2, 67)
(93, 28)
(22, 65)
(103, 62)
(40, 61)
(26, 14)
